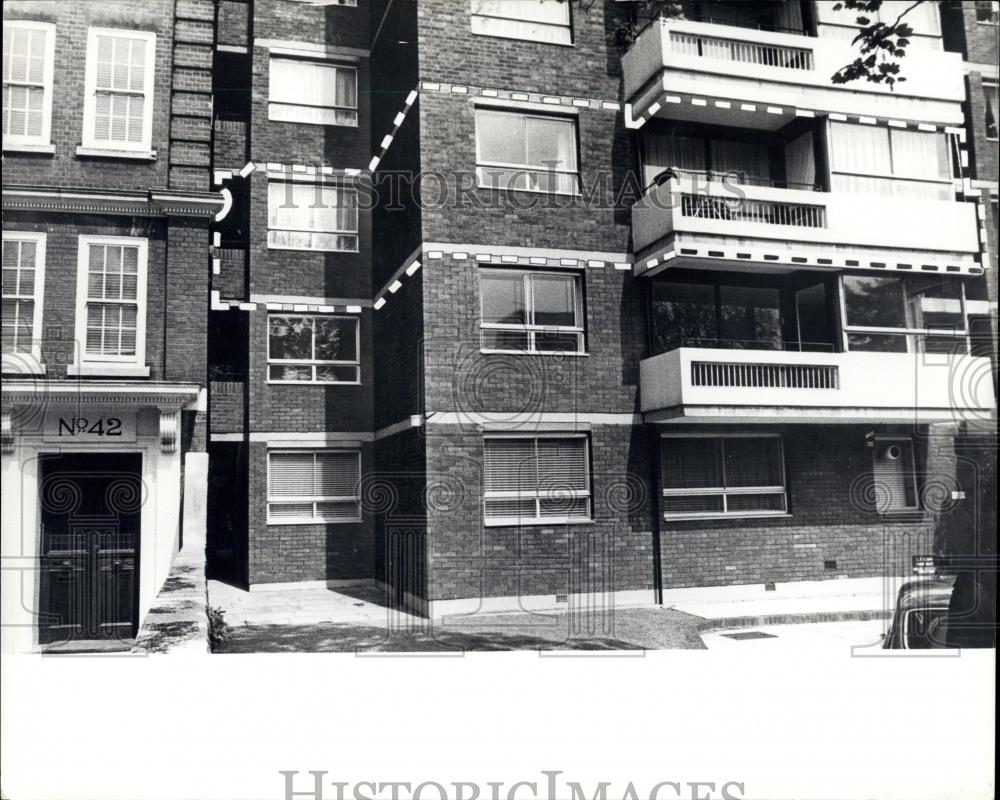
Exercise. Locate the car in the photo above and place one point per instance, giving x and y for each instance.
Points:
(945, 611)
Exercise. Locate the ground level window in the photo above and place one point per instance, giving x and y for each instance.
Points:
(313, 486)
(543, 479)
(894, 475)
(718, 476)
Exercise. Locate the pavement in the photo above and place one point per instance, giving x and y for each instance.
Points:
(810, 637)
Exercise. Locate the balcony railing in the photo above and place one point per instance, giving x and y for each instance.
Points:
(771, 376)
(745, 52)
(763, 212)
(757, 344)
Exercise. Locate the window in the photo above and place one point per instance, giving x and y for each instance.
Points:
(312, 216)
(894, 476)
(908, 313)
(720, 476)
(536, 480)
(306, 486)
(118, 101)
(314, 92)
(525, 151)
(988, 11)
(23, 281)
(991, 103)
(535, 312)
(111, 300)
(537, 20)
(27, 82)
(312, 349)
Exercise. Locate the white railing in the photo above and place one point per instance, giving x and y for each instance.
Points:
(760, 211)
(766, 55)
(768, 376)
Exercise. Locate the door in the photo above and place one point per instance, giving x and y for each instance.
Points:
(89, 546)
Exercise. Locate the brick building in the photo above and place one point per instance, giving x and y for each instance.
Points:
(106, 209)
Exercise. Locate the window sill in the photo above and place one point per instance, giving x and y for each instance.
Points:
(513, 522)
(34, 149)
(723, 517)
(279, 118)
(309, 249)
(316, 384)
(102, 152)
(528, 191)
(314, 521)
(570, 353)
(99, 370)
(12, 366)
(521, 39)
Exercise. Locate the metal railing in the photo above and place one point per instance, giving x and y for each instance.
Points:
(766, 55)
(766, 212)
(715, 343)
(733, 177)
(765, 376)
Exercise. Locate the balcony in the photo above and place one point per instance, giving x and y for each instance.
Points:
(692, 384)
(688, 221)
(774, 74)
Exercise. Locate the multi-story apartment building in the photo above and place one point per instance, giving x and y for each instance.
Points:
(106, 207)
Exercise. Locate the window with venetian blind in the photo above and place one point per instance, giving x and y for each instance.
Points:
(111, 299)
(312, 216)
(306, 486)
(535, 20)
(27, 82)
(894, 476)
(313, 92)
(23, 281)
(118, 95)
(719, 476)
(544, 479)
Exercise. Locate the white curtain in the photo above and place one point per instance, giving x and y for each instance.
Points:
(860, 148)
(746, 158)
(916, 154)
(800, 162)
(664, 150)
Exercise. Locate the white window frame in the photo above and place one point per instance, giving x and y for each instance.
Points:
(723, 490)
(520, 28)
(530, 328)
(314, 363)
(42, 142)
(536, 494)
(341, 189)
(324, 3)
(90, 143)
(907, 443)
(483, 166)
(315, 519)
(281, 111)
(18, 361)
(110, 364)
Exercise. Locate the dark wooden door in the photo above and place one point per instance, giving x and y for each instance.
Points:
(90, 538)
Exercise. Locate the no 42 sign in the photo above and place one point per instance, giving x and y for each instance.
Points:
(90, 427)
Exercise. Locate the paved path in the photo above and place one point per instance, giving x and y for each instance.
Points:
(810, 637)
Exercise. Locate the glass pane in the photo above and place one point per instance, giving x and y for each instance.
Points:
(551, 143)
(503, 297)
(954, 345)
(860, 148)
(812, 310)
(500, 137)
(290, 510)
(751, 315)
(509, 465)
(554, 300)
(562, 464)
(877, 342)
(934, 304)
(692, 504)
(290, 337)
(874, 301)
(347, 510)
(743, 503)
(290, 372)
(504, 340)
(691, 463)
(509, 508)
(559, 342)
(336, 339)
(753, 461)
(556, 506)
(683, 316)
(337, 374)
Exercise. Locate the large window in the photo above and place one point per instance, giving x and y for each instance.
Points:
(23, 281)
(315, 92)
(991, 109)
(535, 312)
(890, 162)
(543, 479)
(536, 20)
(312, 216)
(111, 300)
(27, 82)
(894, 475)
(312, 349)
(720, 476)
(526, 151)
(907, 313)
(988, 12)
(118, 96)
(309, 486)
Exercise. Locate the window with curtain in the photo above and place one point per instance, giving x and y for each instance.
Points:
(991, 108)
(544, 479)
(894, 476)
(23, 281)
(905, 313)
(890, 162)
(534, 312)
(526, 151)
(710, 158)
(312, 349)
(719, 476)
(534, 20)
(313, 486)
(118, 96)
(312, 216)
(313, 92)
(27, 81)
(111, 303)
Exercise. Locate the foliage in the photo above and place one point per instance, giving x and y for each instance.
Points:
(881, 44)
(632, 16)
(218, 628)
